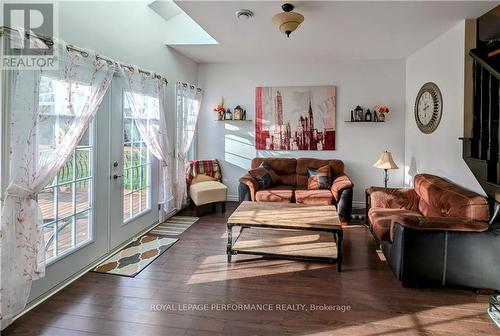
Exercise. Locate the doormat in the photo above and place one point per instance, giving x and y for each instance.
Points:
(174, 226)
(134, 257)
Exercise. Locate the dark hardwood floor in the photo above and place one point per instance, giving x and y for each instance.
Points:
(195, 271)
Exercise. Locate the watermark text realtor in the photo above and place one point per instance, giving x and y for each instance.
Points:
(27, 27)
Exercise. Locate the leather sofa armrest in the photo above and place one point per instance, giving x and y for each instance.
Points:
(340, 182)
(393, 198)
(439, 223)
(251, 183)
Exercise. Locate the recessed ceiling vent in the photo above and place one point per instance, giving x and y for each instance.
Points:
(244, 14)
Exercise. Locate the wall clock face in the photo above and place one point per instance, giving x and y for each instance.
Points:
(428, 108)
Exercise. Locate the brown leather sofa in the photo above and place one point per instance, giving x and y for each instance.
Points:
(292, 187)
(437, 233)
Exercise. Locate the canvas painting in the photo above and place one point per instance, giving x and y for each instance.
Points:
(295, 118)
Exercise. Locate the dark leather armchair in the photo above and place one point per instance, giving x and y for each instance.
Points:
(437, 234)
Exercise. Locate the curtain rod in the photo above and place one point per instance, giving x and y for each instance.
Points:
(50, 42)
(190, 85)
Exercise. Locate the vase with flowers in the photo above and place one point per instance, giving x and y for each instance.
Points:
(381, 111)
(220, 109)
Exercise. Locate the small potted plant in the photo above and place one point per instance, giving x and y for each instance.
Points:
(381, 111)
(220, 109)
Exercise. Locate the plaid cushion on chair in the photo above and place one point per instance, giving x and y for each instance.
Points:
(262, 176)
(319, 178)
(206, 167)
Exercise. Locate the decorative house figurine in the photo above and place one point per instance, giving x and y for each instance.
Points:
(238, 113)
(359, 113)
(375, 116)
(368, 115)
(228, 115)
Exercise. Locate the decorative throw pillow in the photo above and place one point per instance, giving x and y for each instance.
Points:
(262, 176)
(274, 177)
(319, 178)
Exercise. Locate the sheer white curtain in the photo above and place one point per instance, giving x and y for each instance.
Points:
(35, 127)
(146, 96)
(188, 107)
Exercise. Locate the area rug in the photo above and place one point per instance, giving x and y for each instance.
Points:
(174, 226)
(134, 257)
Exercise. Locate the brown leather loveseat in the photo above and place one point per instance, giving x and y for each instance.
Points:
(437, 233)
(293, 180)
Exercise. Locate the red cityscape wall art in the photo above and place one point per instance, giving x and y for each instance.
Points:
(295, 118)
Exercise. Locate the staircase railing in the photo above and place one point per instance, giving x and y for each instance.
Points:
(481, 151)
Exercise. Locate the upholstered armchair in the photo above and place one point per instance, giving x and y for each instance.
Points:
(437, 233)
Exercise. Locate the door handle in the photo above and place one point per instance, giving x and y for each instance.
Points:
(116, 176)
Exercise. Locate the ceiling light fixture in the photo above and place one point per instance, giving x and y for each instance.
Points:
(244, 14)
(288, 21)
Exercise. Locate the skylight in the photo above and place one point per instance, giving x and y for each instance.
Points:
(180, 28)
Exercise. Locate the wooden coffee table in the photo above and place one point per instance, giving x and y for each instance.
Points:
(278, 230)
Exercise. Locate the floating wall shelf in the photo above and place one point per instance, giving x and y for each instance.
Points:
(364, 122)
(235, 120)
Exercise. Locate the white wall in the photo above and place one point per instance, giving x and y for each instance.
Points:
(358, 82)
(440, 153)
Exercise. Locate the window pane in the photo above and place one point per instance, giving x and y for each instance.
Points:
(145, 199)
(60, 102)
(83, 195)
(64, 235)
(85, 141)
(65, 200)
(48, 236)
(136, 156)
(46, 203)
(83, 161)
(144, 178)
(143, 153)
(127, 206)
(66, 173)
(135, 203)
(82, 227)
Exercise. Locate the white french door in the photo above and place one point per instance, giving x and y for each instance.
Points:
(135, 171)
(104, 195)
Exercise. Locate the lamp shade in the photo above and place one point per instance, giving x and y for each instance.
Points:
(288, 21)
(385, 161)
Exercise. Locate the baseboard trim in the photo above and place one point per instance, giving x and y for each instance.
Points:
(79, 274)
(233, 198)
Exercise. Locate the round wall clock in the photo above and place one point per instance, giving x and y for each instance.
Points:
(428, 108)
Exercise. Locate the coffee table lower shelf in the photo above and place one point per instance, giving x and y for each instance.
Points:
(304, 244)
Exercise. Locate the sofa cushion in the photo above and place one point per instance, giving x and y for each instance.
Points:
(442, 198)
(303, 164)
(319, 178)
(282, 166)
(274, 177)
(279, 193)
(314, 197)
(394, 198)
(262, 176)
(207, 192)
(289, 180)
(381, 219)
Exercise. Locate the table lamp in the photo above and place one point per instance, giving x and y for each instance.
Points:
(385, 162)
